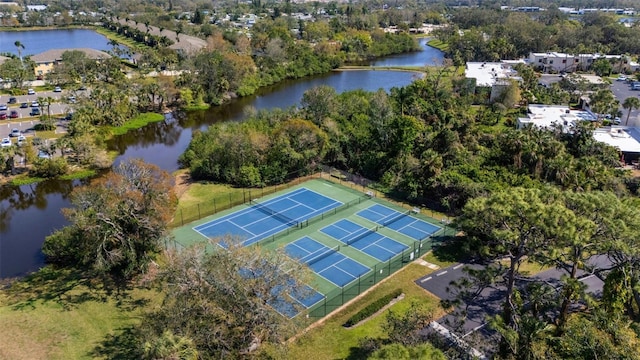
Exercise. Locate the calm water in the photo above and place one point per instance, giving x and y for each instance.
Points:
(29, 213)
(426, 57)
(39, 41)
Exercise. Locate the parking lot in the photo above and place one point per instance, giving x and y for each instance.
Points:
(25, 122)
(622, 90)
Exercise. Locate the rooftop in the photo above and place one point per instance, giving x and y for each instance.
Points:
(56, 54)
(549, 116)
(488, 73)
(625, 139)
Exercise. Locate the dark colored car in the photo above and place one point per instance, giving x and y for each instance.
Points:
(24, 105)
(14, 114)
(35, 112)
(13, 100)
(3, 116)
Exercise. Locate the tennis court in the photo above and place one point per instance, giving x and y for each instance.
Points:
(261, 220)
(400, 222)
(326, 262)
(366, 240)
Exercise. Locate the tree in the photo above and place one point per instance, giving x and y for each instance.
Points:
(227, 300)
(602, 67)
(15, 70)
(118, 223)
(511, 225)
(19, 46)
(631, 103)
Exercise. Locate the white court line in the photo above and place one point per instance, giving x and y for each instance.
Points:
(426, 279)
(458, 266)
(442, 273)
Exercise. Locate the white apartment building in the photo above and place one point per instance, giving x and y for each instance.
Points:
(555, 62)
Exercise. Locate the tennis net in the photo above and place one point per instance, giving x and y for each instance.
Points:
(274, 213)
(324, 255)
(360, 236)
(396, 218)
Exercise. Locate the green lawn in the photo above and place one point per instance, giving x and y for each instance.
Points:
(137, 122)
(438, 45)
(330, 340)
(55, 315)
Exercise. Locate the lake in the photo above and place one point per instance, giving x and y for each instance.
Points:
(39, 41)
(29, 213)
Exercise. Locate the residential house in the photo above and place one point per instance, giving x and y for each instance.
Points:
(45, 61)
(494, 75)
(552, 116)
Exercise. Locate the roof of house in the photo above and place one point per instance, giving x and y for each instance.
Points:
(625, 139)
(488, 73)
(549, 116)
(56, 54)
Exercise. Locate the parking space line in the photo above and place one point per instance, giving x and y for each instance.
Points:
(426, 279)
(458, 266)
(442, 273)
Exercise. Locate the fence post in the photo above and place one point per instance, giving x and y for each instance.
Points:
(199, 217)
(181, 218)
(215, 208)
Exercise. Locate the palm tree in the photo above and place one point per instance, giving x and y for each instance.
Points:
(20, 47)
(630, 104)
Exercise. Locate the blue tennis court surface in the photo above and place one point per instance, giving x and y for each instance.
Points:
(304, 295)
(270, 217)
(400, 222)
(366, 240)
(331, 265)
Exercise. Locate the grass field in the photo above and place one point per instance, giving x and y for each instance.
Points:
(56, 315)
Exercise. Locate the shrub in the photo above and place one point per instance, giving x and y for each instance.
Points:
(49, 168)
(372, 308)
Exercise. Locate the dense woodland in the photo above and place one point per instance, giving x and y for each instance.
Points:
(491, 35)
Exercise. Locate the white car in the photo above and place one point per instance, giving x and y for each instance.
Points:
(34, 104)
(31, 92)
(6, 142)
(57, 89)
(21, 140)
(621, 78)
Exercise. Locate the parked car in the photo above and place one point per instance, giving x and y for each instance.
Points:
(24, 105)
(13, 100)
(3, 107)
(35, 112)
(635, 85)
(31, 92)
(15, 133)
(57, 89)
(72, 99)
(621, 78)
(6, 142)
(43, 154)
(69, 116)
(35, 104)
(21, 140)
(3, 116)
(616, 121)
(14, 114)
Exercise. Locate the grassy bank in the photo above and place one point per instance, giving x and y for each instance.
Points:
(435, 43)
(136, 123)
(131, 44)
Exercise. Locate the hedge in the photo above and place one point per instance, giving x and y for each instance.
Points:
(372, 308)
